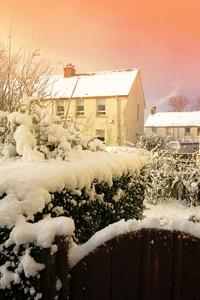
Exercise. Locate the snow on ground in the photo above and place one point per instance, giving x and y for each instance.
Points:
(173, 209)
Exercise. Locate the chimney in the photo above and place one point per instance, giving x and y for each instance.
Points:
(153, 110)
(69, 71)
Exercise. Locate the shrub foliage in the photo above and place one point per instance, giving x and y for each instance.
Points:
(106, 205)
(91, 211)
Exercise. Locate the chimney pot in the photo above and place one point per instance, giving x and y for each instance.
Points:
(153, 110)
(69, 70)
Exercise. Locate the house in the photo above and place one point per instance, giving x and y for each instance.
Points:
(183, 127)
(107, 104)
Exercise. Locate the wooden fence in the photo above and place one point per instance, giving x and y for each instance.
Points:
(56, 267)
(144, 265)
(148, 264)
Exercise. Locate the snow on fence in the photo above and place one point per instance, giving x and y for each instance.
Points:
(138, 260)
(127, 260)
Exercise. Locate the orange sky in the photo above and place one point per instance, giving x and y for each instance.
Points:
(160, 37)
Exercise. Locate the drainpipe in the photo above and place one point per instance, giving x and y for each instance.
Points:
(116, 120)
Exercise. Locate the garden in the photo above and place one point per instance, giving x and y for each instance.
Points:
(56, 182)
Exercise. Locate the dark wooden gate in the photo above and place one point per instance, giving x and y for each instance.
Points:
(144, 265)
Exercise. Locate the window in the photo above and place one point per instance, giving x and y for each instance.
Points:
(80, 107)
(154, 129)
(101, 107)
(60, 108)
(101, 134)
(138, 112)
(187, 130)
(169, 130)
(198, 130)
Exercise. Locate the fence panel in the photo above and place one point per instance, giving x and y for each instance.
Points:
(125, 266)
(144, 265)
(156, 262)
(189, 267)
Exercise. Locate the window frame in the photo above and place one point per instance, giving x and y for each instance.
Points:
(60, 112)
(186, 131)
(99, 136)
(169, 130)
(101, 112)
(80, 112)
(154, 130)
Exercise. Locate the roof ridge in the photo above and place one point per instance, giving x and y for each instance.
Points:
(175, 112)
(105, 72)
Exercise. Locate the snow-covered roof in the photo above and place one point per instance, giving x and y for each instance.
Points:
(167, 119)
(108, 83)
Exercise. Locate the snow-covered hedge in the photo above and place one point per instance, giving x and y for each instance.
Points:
(95, 190)
(99, 205)
(48, 184)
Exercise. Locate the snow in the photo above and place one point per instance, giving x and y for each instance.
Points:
(173, 209)
(27, 180)
(29, 265)
(28, 185)
(26, 188)
(109, 83)
(7, 276)
(167, 119)
(41, 233)
(173, 216)
(35, 134)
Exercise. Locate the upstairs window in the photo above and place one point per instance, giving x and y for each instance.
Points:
(169, 130)
(101, 134)
(60, 108)
(198, 130)
(80, 108)
(187, 130)
(101, 107)
(154, 129)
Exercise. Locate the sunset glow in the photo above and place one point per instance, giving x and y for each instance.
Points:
(161, 38)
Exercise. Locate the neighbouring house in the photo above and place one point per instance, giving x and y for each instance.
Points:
(107, 104)
(183, 127)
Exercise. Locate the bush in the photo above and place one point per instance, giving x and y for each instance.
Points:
(35, 135)
(91, 210)
(95, 192)
(170, 174)
(106, 205)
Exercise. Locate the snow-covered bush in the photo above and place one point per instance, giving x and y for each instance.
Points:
(95, 191)
(34, 134)
(23, 251)
(170, 174)
(101, 205)
(151, 142)
(45, 178)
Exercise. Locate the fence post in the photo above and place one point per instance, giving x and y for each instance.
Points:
(53, 280)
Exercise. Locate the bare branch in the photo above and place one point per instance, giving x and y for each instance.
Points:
(178, 103)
